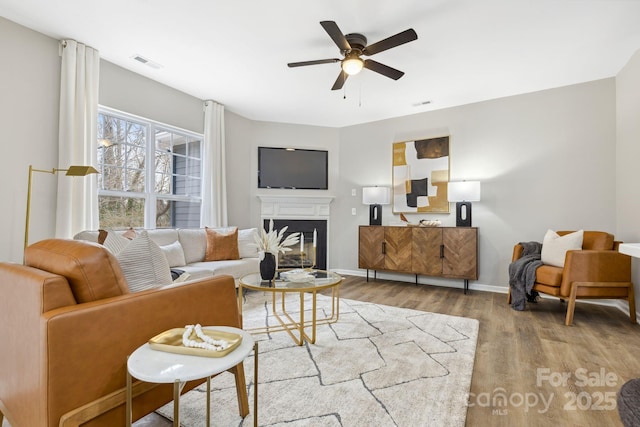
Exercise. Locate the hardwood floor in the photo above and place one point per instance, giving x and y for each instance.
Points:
(550, 374)
(569, 375)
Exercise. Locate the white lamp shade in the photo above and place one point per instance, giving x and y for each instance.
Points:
(464, 191)
(375, 195)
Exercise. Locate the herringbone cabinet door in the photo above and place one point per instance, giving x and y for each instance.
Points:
(425, 252)
(397, 248)
(460, 252)
(370, 247)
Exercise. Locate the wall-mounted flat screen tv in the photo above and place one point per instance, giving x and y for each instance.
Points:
(293, 168)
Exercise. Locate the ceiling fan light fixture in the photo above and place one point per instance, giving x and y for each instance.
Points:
(354, 45)
(352, 65)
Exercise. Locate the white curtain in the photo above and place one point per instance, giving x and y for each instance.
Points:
(77, 206)
(214, 182)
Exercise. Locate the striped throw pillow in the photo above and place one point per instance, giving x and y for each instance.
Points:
(115, 243)
(143, 264)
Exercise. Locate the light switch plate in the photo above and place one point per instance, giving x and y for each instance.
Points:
(353, 211)
(353, 191)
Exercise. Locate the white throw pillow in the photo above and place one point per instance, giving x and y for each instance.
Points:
(247, 244)
(115, 243)
(555, 247)
(174, 254)
(144, 264)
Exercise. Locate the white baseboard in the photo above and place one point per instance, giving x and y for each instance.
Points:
(453, 283)
(424, 280)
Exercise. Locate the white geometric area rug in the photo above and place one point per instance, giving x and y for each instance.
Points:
(377, 366)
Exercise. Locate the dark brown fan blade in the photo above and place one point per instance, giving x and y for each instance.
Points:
(340, 81)
(385, 70)
(393, 41)
(316, 62)
(336, 35)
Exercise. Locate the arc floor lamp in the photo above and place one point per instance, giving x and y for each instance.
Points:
(72, 171)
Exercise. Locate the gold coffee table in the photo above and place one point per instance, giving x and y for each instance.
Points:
(280, 286)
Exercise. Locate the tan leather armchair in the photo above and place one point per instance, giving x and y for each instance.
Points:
(596, 271)
(68, 324)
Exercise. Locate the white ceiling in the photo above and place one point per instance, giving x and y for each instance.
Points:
(236, 52)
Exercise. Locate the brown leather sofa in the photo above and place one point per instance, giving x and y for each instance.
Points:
(598, 271)
(68, 323)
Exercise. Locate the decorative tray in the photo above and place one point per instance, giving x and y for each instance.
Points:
(297, 276)
(171, 341)
(300, 278)
(425, 223)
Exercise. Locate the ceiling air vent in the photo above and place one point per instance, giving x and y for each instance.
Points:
(147, 62)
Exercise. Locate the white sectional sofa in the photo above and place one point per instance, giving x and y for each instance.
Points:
(189, 253)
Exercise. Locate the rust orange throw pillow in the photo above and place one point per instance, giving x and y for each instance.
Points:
(221, 246)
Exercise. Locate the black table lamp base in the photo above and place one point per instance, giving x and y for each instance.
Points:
(375, 214)
(463, 214)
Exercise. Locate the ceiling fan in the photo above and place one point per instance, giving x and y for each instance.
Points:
(353, 46)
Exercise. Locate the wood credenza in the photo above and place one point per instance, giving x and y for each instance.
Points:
(450, 252)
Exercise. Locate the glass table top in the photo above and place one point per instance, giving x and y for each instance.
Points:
(292, 280)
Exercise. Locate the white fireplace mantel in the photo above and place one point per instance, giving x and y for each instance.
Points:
(295, 207)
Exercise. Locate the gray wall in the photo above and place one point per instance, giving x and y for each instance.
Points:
(29, 103)
(239, 135)
(134, 94)
(545, 160)
(628, 154)
(548, 159)
(243, 137)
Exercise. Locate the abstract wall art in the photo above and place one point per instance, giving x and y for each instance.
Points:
(420, 176)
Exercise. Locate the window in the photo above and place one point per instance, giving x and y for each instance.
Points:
(150, 173)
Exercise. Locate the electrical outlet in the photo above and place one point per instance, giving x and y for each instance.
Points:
(353, 211)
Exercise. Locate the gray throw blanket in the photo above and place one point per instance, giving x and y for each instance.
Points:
(522, 274)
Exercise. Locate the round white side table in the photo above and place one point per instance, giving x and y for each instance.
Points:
(154, 366)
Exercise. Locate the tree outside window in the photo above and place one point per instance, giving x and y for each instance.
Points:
(150, 173)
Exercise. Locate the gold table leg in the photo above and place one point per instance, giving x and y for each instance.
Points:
(240, 300)
(288, 327)
(208, 401)
(255, 384)
(313, 319)
(129, 398)
(291, 325)
(176, 403)
(301, 326)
